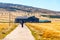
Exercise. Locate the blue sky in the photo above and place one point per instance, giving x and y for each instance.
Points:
(46, 4)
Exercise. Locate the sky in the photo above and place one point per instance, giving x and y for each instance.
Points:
(46, 4)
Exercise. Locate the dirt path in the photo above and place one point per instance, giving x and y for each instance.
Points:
(20, 34)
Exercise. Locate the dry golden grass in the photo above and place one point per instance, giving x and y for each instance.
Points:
(6, 28)
(45, 31)
(41, 31)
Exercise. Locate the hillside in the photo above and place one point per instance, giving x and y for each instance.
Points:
(8, 11)
(14, 7)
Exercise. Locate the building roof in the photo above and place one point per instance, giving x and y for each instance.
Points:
(22, 17)
(25, 17)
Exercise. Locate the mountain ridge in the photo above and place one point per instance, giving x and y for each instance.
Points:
(14, 7)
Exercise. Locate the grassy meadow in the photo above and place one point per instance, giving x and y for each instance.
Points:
(45, 31)
(6, 28)
(41, 31)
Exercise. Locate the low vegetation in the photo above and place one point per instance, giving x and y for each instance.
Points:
(45, 31)
(51, 16)
(6, 28)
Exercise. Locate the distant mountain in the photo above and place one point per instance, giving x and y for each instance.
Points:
(14, 7)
